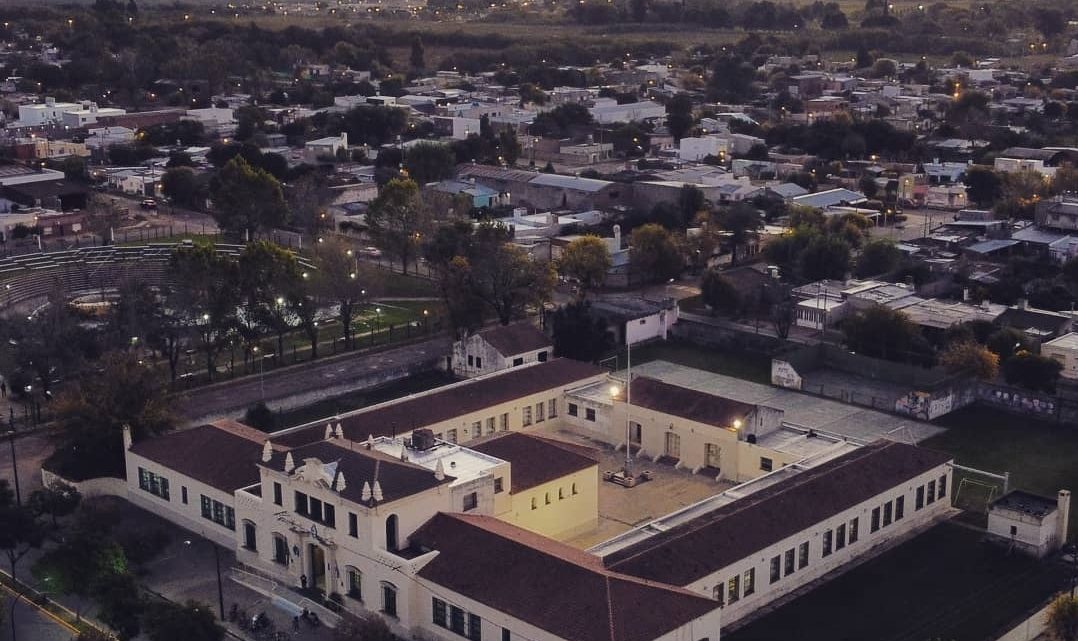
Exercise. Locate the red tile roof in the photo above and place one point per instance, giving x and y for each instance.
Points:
(427, 409)
(535, 460)
(687, 403)
(737, 530)
(552, 586)
(514, 339)
(217, 455)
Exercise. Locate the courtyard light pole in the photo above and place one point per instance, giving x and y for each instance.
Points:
(217, 564)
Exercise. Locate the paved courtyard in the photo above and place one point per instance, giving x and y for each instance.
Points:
(622, 508)
(802, 409)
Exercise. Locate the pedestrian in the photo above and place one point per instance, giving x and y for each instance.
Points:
(295, 623)
(303, 581)
(3, 389)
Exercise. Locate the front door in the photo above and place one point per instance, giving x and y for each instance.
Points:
(318, 567)
(634, 433)
(711, 455)
(673, 445)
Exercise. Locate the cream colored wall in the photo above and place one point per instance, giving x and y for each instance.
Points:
(564, 517)
(693, 437)
(748, 460)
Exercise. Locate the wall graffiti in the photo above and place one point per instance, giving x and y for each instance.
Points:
(783, 374)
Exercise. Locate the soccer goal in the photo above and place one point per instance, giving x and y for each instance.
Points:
(976, 489)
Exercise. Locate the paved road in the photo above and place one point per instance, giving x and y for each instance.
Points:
(31, 624)
(303, 384)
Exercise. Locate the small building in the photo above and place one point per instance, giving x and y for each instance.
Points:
(636, 319)
(1064, 350)
(1033, 524)
(326, 147)
(499, 348)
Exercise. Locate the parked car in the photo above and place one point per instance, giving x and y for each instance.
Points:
(148, 203)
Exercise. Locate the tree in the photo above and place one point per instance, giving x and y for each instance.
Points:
(983, 186)
(260, 416)
(247, 198)
(268, 275)
(679, 117)
(1063, 618)
(19, 533)
(189, 622)
(639, 9)
(971, 357)
(368, 629)
(1032, 371)
(732, 78)
(867, 185)
(120, 603)
(204, 298)
(718, 293)
(92, 416)
(1007, 342)
(307, 198)
(397, 220)
(825, 257)
(881, 332)
(741, 222)
(80, 563)
(654, 253)
(508, 279)
(879, 256)
(58, 499)
(580, 334)
(183, 187)
(586, 260)
(429, 162)
(340, 278)
(417, 57)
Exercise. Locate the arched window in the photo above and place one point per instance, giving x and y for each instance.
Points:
(561, 493)
(389, 599)
(280, 548)
(574, 488)
(548, 498)
(355, 583)
(391, 533)
(250, 536)
(535, 503)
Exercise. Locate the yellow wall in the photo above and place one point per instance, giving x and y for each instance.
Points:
(693, 438)
(562, 518)
(748, 460)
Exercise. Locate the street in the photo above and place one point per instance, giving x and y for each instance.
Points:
(31, 624)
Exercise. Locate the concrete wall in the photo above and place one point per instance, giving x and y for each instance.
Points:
(1035, 536)
(105, 486)
(1032, 628)
(490, 360)
(567, 514)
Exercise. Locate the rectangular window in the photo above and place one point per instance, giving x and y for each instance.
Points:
(438, 608)
(301, 504)
(573, 409)
(277, 498)
(552, 408)
(942, 487)
(506, 635)
(527, 416)
(499, 486)
(853, 530)
(788, 562)
(315, 507)
(456, 620)
(750, 581)
(389, 600)
(230, 518)
(589, 414)
(479, 362)
(477, 429)
(776, 570)
(218, 512)
(875, 519)
(451, 436)
(900, 507)
(733, 589)
(475, 627)
(766, 464)
(353, 525)
(540, 412)
(840, 537)
(505, 421)
(931, 492)
(517, 362)
(803, 555)
(329, 515)
(719, 594)
(490, 425)
(919, 501)
(471, 501)
(207, 507)
(827, 535)
(886, 514)
(152, 483)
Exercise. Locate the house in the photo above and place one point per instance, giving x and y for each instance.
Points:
(48, 113)
(607, 111)
(1063, 350)
(1043, 161)
(830, 198)
(1059, 212)
(1033, 524)
(480, 195)
(326, 147)
(1039, 325)
(635, 319)
(86, 113)
(499, 348)
(825, 108)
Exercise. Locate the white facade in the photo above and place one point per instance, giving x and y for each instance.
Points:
(1033, 524)
(1011, 165)
(608, 111)
(1063, 350)
(49, 112)
(87, 113)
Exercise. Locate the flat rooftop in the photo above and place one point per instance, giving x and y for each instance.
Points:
(1027, 503)
(800, 409)
(462, 463)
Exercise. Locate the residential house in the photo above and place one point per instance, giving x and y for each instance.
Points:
(492, 350)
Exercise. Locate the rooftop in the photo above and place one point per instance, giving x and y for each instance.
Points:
(465, 464)
(688, 403)
(1026, 502)
(738, 529)
(535, 460)
(552, 586)
(514, 339)
(235, 450)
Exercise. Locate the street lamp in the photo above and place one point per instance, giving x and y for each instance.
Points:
(14, 466)
(261, 365)
(217, 563)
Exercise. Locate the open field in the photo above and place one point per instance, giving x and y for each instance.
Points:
(944, 584)
(751, 366)
(1041, 457)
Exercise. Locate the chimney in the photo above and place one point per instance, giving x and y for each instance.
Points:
(1063, 505)
(127, 437)
(267, 452)
(439, 471)
(289, 464)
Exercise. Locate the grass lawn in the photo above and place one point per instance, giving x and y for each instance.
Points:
(944, 584)
(364, 398)
(1041, 456)
(393, 285)
(752, 366)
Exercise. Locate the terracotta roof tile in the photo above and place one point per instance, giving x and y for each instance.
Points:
(687, 403)
(535, 460)
(514, 339)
